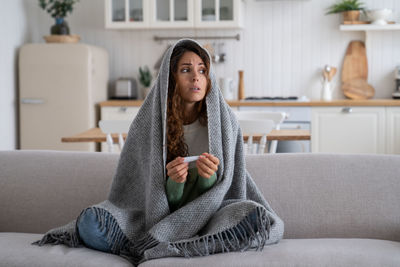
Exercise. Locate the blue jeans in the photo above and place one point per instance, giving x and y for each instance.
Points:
(90, 233)
(252, 221)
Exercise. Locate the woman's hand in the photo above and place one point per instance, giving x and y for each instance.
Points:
(177, 170)
(207, 165)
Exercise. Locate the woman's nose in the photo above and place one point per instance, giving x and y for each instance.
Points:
(195, 77)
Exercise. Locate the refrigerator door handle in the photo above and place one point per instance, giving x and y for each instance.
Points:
(32, 101)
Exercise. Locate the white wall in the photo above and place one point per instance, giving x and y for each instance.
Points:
(283, 48)
(13, 34)
(284, 45)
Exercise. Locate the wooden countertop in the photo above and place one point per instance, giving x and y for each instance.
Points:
(339, 102)
(96, 135)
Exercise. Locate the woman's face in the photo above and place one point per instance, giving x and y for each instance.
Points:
(191, 78)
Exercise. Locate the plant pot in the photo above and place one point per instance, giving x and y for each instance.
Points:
(60, 28)
(351, 15)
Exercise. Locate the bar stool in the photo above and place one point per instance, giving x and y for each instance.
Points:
(114, 127)
(252, 127)
(276, 117)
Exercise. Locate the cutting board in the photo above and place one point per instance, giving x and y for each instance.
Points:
(355, 64)
(355, 72)
(358, 89)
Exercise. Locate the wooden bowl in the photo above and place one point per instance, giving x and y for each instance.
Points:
(62, 38)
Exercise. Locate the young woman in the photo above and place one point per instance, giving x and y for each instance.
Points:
(160, 205)
(187, 131)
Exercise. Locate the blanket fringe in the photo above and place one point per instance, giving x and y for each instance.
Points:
(241, 237)
(69, 239)
(136, 252)
(244, 236)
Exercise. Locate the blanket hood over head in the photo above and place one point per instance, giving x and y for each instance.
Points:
(217, 221)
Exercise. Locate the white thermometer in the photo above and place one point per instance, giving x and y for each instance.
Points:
(190, 159)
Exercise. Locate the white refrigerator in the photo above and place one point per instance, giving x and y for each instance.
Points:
(59, 88)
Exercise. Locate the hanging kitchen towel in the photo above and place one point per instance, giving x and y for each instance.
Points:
(232, 216)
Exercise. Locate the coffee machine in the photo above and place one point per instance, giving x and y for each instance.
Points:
(396, 93)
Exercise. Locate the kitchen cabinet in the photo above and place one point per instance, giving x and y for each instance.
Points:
(127, 14)
(172, 14)
(218, 14)
(348, 129)
(118, 113)
(393, 130)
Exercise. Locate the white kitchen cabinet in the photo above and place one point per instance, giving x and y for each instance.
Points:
(127, 14)
(218, 14)
(348, 129)
(393, 130)
(173, 14)
(118, 113)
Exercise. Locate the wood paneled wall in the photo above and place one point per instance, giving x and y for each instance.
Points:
(283, 48)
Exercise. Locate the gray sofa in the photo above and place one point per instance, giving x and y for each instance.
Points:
(339, 210)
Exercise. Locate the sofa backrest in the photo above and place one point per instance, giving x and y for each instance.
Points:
(40, 190)
(332, 195)
(316, 195)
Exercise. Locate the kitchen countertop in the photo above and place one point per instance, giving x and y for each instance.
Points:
(96, 135)
(339, 102)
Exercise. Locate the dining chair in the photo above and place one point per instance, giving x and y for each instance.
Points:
(114, 127)
(253, 127)
(276, 117)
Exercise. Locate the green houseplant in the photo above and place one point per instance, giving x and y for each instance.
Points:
(350, 8)
(58, 9)
(145, 79)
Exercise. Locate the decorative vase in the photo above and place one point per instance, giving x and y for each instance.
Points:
(326, 94)
(351, 15)
(60, 28)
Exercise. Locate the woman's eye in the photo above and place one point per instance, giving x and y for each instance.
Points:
(185, 70)
(202, 71)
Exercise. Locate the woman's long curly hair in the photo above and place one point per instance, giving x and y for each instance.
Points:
(175, 117)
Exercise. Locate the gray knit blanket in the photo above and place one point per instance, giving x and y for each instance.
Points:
(215, 222)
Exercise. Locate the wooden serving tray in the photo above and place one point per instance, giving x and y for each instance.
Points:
(62, 38)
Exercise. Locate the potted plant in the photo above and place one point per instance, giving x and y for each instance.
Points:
(145, 79)
(58, 9)
(350, 8)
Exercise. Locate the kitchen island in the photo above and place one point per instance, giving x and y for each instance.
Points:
(337, 126)
(261, 103)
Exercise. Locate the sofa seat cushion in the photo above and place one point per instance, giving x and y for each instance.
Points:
(16, 250)
(301, 252)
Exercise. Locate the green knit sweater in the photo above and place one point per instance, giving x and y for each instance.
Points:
(181, 193)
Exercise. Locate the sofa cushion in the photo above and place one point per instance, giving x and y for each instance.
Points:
(301, 252)
(16, 250)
